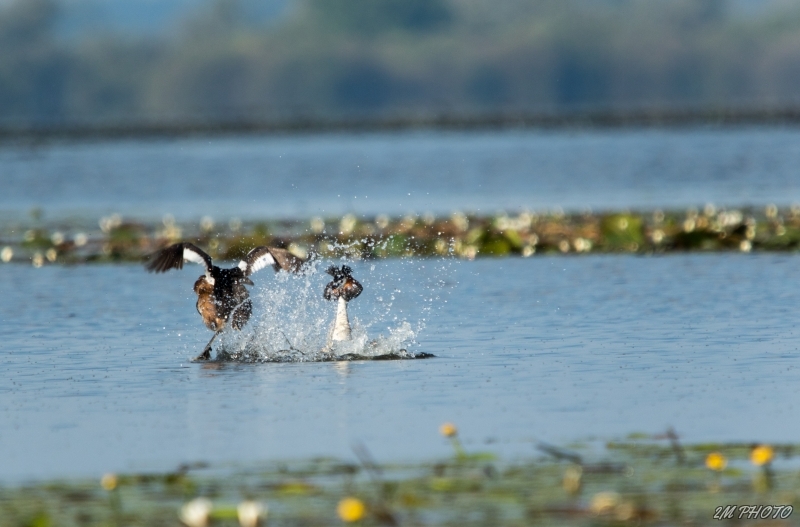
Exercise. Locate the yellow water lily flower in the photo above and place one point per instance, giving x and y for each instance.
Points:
(351, 509)
(109, 482)
(716, 461)
(761, 455)
(448, 430)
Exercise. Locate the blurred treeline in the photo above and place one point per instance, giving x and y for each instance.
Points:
(327, 59)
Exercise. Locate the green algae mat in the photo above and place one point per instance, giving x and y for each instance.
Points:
(641, 480)
(460, 235)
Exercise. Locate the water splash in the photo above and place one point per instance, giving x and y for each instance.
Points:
(291, 321)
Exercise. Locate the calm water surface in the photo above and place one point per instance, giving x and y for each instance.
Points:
(97, 378)
(302, 176)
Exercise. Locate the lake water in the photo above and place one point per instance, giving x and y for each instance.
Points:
(267, 177)
(97, 374)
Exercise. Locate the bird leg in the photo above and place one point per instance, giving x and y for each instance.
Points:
(206, 355)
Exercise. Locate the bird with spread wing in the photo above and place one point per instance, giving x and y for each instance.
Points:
(222, 297)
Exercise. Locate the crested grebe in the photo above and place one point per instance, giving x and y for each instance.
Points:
(221, 293)
(343, 289)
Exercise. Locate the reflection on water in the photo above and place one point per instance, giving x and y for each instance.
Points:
(97, 376)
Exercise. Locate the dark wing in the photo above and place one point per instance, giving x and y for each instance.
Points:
(262, 256)
(173, 257)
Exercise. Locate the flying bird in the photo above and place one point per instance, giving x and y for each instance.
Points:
(222, 297)
(343, 288)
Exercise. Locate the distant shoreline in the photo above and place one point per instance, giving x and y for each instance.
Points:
(601, 118)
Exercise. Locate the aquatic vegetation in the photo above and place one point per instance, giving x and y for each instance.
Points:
(634, 481)
(457, 235)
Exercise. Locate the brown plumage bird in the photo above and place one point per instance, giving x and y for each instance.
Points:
(222, 297)
(343, 289)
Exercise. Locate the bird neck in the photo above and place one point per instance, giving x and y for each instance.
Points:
(341, 325)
